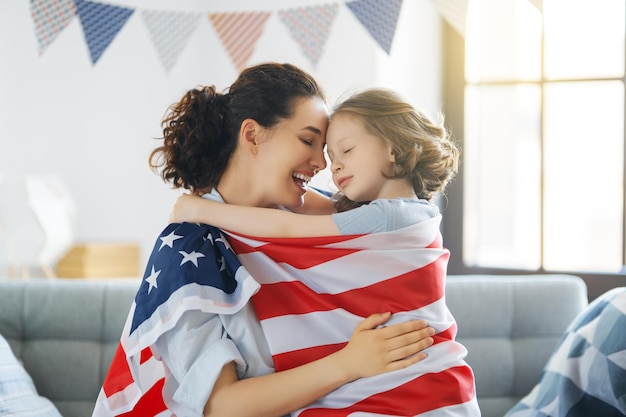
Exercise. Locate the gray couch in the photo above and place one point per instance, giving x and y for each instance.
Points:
(66, 331)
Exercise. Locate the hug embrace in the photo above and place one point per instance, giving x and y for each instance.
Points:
(265, 297)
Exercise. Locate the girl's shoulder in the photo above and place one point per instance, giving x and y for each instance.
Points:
(405, 203)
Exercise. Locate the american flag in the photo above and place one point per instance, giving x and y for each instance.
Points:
(192, 267)
(314, 293)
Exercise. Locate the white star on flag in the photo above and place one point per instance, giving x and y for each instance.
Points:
(191, 257)
(169, 240)
(222, 262)
(152, 279)
(224, 241)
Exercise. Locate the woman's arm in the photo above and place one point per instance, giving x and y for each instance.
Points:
(370, 351)
(254, 221)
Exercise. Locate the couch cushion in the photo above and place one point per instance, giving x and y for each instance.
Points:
(18, 395)
(510, 325)
(65, 333)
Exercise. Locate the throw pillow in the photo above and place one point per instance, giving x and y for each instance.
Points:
(586, 375)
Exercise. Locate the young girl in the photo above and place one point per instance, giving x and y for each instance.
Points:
(389, 160)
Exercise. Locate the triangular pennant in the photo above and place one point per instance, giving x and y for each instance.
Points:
(379, 18)
(310, 27)
(239, 33)
(101, 23)
(50, 18)
(538, 4)
(454, 12)
(169, 32)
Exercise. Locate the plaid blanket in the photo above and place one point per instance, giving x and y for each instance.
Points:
(586, 375)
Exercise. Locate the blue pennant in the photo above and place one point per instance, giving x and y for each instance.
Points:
(379, 18)
(101, 23)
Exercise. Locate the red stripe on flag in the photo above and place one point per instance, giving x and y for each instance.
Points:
(150, 404)
(419, 288)
(119, 376)
(428, 392)
(295, 358)
(445, 336)
(145, 355)
(301, 253)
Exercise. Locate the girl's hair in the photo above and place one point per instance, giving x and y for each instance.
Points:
(422, 148)
(200, 132)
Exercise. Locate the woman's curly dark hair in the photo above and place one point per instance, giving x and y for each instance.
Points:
(200, 131)
(423, 150)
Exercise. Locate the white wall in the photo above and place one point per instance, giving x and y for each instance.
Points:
(93, 125)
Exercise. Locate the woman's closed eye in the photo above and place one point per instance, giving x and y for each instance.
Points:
(307, 142)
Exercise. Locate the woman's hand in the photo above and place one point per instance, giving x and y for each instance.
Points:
(185, 209)
(369, 352)
(373, 350)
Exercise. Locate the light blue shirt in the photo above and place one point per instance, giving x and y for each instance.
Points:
(217, 340)
(384, 215)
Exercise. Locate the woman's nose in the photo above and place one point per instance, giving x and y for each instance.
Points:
(319, 161)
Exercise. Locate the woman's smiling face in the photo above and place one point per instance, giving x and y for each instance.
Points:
(292, 153)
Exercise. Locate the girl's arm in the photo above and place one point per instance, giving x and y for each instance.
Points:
(254, 221)
(370, 351)
(316, 203)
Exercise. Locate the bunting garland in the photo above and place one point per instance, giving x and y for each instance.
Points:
(379, 18)
(101, 23)
(50, 19)
(169, 44)
(239, 32)
(310, 27)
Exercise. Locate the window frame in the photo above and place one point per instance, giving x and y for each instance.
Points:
(453, 91)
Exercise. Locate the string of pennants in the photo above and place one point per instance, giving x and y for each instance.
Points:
(239, 31)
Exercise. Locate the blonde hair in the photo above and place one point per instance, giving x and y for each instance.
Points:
(423, 150)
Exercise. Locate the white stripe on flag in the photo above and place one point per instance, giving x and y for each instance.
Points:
(300, 331)
(366, 268)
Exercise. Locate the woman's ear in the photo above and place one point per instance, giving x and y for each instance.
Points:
(249, 135)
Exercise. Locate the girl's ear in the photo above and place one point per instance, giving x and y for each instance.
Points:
(249, 135)
(392, 156)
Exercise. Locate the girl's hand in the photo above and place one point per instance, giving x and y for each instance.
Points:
(374, 350)
(185, 208)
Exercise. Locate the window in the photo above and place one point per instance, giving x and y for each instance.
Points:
(538, 106)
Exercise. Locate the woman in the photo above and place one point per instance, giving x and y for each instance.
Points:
(258, 145)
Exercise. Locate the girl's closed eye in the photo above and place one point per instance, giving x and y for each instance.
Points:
(348, 150)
